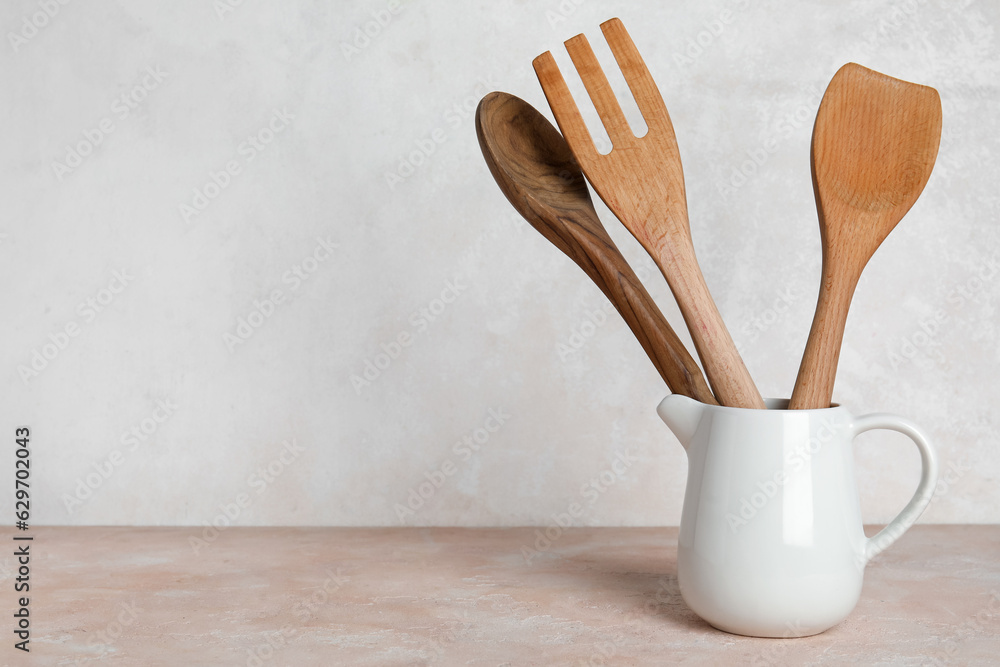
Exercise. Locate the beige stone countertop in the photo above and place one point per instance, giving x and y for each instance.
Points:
(461, 596)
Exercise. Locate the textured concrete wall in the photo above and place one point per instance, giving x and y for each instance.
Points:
(220, 216)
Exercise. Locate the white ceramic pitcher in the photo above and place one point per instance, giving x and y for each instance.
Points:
(771, 541)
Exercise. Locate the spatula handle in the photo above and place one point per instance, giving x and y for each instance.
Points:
(818, 369)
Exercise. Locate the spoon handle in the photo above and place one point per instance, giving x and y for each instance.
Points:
(598, 256)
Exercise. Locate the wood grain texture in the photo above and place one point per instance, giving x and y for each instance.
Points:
(536, 171)
(873, 148)
(642, 182)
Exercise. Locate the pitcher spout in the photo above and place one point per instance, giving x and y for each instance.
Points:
(682, 415)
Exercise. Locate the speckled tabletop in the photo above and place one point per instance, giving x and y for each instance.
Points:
(456, 596)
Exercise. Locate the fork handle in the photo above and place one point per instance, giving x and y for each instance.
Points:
(727, 374)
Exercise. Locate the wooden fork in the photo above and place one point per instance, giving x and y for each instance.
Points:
(642, 182)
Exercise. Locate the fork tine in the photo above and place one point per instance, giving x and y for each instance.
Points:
(600, 91)
(567, 114)
(640, 81)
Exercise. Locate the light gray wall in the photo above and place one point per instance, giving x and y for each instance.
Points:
(342, 111)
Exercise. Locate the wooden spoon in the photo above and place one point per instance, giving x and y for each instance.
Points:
(873, 149)
(535, 169)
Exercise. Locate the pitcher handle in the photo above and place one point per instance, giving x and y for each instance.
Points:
(925, 490)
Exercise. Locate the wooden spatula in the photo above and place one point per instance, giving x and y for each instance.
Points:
(642, 182)
(873, 149)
